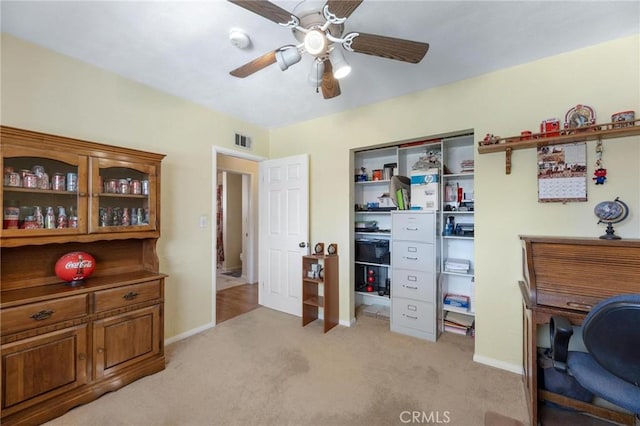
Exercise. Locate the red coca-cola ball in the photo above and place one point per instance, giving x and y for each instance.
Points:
(75, 266)
(371, 279)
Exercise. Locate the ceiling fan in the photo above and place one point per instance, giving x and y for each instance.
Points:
(320, 34)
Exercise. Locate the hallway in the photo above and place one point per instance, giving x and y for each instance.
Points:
(234, 298)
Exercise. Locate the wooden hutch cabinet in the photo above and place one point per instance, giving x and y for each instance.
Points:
(63, 345)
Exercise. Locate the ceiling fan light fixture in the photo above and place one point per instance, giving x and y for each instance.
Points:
(315, 42)
(315, 74)
(287, 56)
(341, 67)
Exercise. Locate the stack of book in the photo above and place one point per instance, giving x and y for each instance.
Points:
(460, 266)
(467, 166)
(456, 302)
(459, 323)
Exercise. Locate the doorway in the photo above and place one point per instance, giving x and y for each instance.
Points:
(284, 235)
(234, 233)
(232, 221)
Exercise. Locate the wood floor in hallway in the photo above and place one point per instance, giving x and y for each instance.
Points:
(235, 301)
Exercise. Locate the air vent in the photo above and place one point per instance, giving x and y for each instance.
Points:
(243, 141)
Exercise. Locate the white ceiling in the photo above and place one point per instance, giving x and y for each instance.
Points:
(182, 47)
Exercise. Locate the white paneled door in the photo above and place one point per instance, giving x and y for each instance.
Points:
(284, 231)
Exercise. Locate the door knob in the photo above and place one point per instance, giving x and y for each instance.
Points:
(302, 245)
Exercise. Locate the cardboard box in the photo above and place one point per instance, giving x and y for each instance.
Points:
(425, 189)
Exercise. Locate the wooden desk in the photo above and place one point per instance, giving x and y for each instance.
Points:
(568, 276)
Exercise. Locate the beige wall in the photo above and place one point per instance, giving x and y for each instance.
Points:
(605, 77)
(48, 92)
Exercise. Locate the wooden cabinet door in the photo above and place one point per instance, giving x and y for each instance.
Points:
(73, 198)
(122, 189)
(44, 366)
(125, 339)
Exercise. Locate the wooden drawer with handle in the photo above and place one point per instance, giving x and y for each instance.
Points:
(578, 302)
(43, 313)
(127, 295)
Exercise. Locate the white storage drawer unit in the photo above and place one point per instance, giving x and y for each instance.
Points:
(412, 255)
(413, 314)
(412, 225)
(413, 284)
(414, 266)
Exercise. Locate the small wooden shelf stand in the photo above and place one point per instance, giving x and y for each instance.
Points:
(320, 292)
(536, 140)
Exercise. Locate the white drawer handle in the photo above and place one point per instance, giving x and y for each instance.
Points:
(409, 316)
(411, 287)
(411, 229)
(411, 258)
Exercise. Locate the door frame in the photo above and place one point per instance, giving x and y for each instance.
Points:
(252, 240)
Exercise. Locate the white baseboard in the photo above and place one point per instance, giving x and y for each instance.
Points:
(492, 362)
(340, 322)
(347, 323)
(188, 333)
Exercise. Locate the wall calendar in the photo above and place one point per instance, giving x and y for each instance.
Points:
(562, 173)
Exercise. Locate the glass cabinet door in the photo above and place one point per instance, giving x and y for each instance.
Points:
(44, 193)
(123, 196)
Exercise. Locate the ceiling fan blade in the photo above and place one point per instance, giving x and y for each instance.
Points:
(330, 86)
(343, 8)
(266, 9)
(389, 47)
(255, 65)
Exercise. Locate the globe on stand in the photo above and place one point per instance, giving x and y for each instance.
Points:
(611, 212)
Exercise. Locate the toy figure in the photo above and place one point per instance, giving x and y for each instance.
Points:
(600, 176)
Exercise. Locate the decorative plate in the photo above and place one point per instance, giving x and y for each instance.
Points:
(579, 116)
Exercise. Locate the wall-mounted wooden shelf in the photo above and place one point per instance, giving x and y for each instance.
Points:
(536, 140)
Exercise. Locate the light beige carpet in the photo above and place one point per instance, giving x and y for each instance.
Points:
(264, 368)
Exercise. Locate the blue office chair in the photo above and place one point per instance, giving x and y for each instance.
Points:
(611, 334)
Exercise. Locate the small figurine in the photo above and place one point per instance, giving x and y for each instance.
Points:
(600, 176)
(600, 172)
(490, 139)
